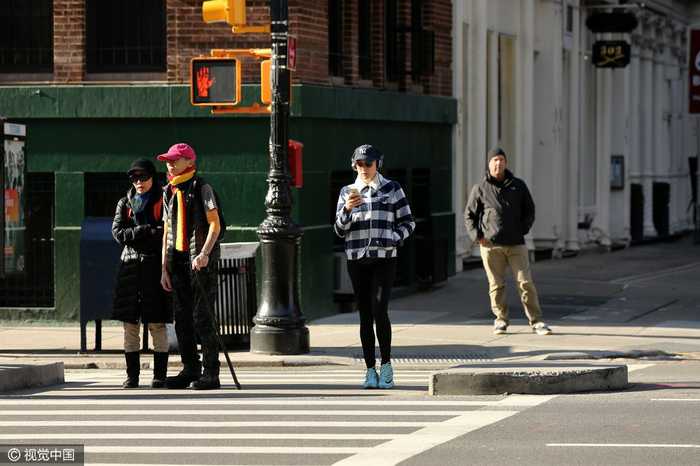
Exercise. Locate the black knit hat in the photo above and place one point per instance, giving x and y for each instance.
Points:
(142, 165)
(496, 151)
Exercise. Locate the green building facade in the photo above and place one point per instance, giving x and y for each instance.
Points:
(79, 136)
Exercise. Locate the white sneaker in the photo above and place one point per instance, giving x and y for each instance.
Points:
(541, 328)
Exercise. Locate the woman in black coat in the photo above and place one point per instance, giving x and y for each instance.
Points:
(138, 295)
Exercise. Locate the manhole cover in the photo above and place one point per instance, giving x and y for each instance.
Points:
(430, 358)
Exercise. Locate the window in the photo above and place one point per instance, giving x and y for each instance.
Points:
(125, 36)
(32, 284)
(422, 44)
(335, 37)
(364, 34)
(26, 36)
(569, 19)
(391, 52)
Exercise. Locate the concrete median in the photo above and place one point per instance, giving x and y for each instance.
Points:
(535, 379)
(21, 376)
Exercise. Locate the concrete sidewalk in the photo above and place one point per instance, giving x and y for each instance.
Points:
(638, 302)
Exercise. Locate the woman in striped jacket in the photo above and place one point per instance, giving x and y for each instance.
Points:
(374, 218)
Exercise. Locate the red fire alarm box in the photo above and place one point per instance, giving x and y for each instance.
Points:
(295, 151)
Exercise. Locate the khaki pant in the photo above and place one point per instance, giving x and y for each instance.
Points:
(496, 259)
(132, 338)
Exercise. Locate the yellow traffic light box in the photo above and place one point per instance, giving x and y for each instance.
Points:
(224, 11)
(266, 82)
(215, 81)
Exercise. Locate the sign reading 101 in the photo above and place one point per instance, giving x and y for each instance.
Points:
(611, 54)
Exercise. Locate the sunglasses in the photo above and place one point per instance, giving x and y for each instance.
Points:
(367, 163)
(142, 177)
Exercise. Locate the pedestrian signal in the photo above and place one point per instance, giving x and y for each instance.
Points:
(215, 81)
(224, 11)
(265, 82)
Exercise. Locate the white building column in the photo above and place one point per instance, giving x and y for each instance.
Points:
(603, 148)
(647, 171)
(559, 155)
(573, 151)
(527, 91)
(460, 151)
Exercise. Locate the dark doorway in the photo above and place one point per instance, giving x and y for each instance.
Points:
(636, 212)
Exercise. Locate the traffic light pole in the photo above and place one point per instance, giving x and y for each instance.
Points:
(279, 324)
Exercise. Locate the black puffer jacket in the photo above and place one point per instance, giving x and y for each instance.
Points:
(500, 211)
(138, 295)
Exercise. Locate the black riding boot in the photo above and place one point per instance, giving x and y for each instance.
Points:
(160, 369)
(133, 369)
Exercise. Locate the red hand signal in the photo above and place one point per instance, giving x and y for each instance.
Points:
(203, 82)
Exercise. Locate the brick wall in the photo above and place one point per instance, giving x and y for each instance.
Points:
(189, 36)
(68, 40)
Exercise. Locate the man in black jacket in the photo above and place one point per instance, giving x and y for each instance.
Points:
(499, 213)
(190, 265)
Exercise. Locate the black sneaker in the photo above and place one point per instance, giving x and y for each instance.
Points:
(206, 382)
(181, 380)
(158, 383)
(131, 382)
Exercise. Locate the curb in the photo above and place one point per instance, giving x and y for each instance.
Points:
(21, 376)
(175, 364)
(537, 379)
(632, 354)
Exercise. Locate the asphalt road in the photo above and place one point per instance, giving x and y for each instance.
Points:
(655, 422)
(320, 416)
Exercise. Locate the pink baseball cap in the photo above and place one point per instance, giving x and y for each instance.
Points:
(178, 151)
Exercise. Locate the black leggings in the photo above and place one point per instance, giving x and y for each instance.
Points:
(372, 279)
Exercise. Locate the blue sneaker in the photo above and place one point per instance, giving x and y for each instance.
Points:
(371, 379)
(386, 376)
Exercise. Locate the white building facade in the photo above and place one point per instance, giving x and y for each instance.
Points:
(604, 151)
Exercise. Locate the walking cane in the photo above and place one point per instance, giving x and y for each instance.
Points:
(205, 296)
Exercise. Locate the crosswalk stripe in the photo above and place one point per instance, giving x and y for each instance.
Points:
(247, 391)
(401, 448)
(222, 412)
(397, 450)
(198, 436)
(280, 373)
(195, 449)
(114, 422)
(355, 381)
(259, 401)
(188, 464)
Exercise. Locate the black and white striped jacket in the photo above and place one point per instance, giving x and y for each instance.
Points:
(376, 227)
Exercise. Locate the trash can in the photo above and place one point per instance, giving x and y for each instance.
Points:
(237, 300)
(99, 262)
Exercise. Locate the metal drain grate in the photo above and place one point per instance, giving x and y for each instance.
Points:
(428, 358)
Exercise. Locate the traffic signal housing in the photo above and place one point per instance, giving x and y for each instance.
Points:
(215, 81)
(224, 11)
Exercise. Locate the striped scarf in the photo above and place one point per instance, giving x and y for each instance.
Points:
(181, 229)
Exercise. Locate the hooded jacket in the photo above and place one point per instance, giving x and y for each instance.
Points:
(500, 211)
